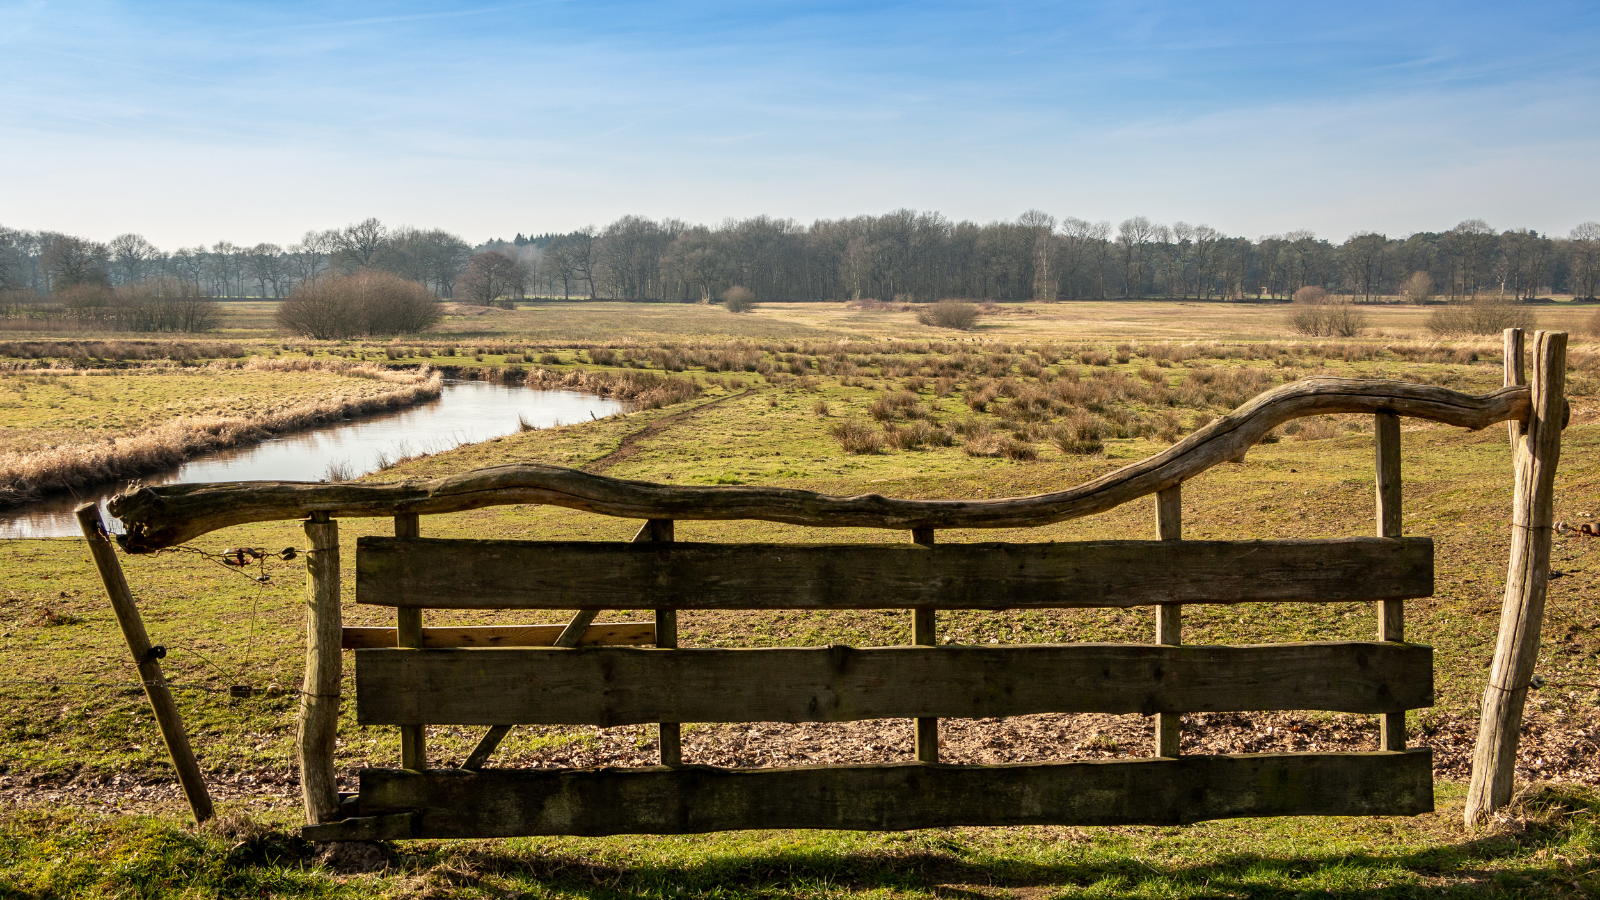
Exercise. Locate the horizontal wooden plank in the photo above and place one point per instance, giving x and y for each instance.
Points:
(626, 686)
(599, 634)
(453, 803)
(168, 515)
(589, 574)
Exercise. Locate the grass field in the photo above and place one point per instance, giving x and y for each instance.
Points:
(1014, 408)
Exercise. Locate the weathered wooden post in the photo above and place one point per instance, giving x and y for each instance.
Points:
(669, 736)
(924, 633)
(155, 685)
(319, 694)
(408, 633)
(1515, 375)
(1537, 450)
(1391, 613)
(1169, 616)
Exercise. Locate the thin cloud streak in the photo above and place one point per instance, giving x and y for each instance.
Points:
(497, 119)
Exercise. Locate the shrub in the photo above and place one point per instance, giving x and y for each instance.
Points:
(1482, 315)
(949, 314)
(739, 299)
(1318, 314)
(857, 437)
(367, 302)
(1418, 288)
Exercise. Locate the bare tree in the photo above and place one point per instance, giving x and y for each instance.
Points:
(1584, 258)
(71, 261)
(358, 245)
(492, 279)
(130, 253)
(1132, 236)
(558, 265)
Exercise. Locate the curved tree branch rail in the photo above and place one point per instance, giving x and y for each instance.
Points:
(158, 517)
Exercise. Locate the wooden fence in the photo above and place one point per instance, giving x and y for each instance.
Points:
(413, 676)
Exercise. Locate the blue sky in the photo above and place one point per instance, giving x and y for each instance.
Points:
(193, 121)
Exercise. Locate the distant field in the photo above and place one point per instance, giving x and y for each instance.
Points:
(1001, 411)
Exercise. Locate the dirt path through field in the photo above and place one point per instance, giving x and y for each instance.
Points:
(629, 443)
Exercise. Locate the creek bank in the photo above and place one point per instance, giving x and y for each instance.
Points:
(26, 477)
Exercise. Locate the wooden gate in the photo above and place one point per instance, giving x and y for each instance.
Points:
(413, 676)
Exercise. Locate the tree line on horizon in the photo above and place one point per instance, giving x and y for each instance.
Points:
(902, 256)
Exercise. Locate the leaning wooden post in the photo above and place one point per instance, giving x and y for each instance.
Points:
(924, 625)
(1169, 616)
(408, 634)
(1391, 613)
(1538, 450)
(319, 694)
(155, 686)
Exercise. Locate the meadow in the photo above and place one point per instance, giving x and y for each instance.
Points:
(843, 401)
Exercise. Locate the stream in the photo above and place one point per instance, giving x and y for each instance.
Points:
(465, 413)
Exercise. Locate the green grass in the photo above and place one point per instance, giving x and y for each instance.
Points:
(1549, 852)
(72, 720)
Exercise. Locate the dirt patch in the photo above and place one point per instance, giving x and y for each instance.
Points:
(629, 443)
(1554, 748)
(470, 309)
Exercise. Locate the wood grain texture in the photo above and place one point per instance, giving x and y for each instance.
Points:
(925, 633)
(318, 723)
(1538, 451)
(1169, 616)
(611, 686)
(1391, 613)
(408, 633)
(168, 719)
(1515, 375)
(157, 517)
(462, 574)
(899, 796)
(600, 634)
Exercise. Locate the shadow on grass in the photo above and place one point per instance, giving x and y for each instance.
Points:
(1549, 848)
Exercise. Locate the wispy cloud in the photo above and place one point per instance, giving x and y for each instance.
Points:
(496, 118)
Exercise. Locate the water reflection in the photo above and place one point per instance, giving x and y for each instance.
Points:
(467, 412)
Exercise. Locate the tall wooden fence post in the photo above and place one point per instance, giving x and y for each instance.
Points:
(1391, 613)
(319, 694)
(924, 633)
(1538, 450)
(155, 685)
(669, 735)
(408, 633)
(1169, 616)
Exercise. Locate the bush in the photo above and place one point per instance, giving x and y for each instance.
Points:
(1483, 315)
(739, 299)
(857, 437)
(949, 314)
(1317, 314)
(367, 302)
(1311, 295)
(165, 304)
(1418, 288)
